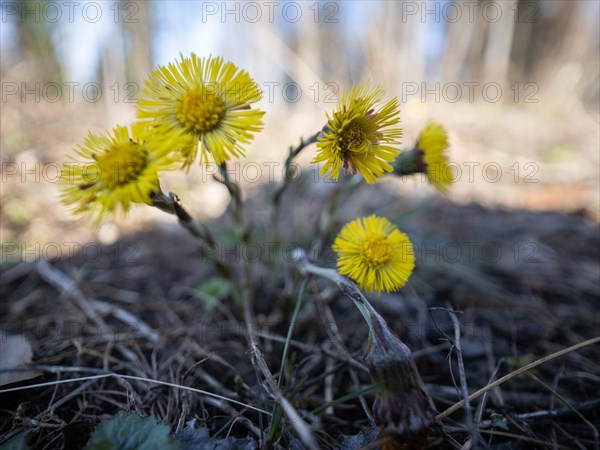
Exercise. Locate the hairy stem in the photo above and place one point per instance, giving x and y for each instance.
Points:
(236, 197)
(278, 193)
(172, 205)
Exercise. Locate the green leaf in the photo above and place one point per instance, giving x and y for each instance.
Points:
(18, 442)
(499, 421)
(132, 432)
(213, 291)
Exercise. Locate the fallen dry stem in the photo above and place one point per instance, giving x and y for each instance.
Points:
(258, 360)
(593, 429)
(132, 377)
(463, 378)
(67, 286)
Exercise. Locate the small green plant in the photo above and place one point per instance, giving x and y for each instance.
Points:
(132, 432)
(202, 109)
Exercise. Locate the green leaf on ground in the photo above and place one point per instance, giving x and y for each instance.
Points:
(213, 291)
(18, 442)
(132, 432)
(499, 421)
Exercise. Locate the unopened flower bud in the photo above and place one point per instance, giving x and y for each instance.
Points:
(403, 409)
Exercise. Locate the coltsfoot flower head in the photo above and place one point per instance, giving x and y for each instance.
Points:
(429, 157)
(359, 137)
(433, 143)
(116, 170)
(207, 99)
(375, 254)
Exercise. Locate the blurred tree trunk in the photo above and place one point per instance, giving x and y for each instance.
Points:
(474, 62)
(579, 48)
(334, 64)
(459, 38)
(496, 56)
(138, 33)
(35, 40)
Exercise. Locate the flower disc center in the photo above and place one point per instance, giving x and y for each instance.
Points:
(122, 163)
(200, 110)
(377, 250)
(355, 140)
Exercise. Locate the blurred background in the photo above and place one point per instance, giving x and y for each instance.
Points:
(515, 82)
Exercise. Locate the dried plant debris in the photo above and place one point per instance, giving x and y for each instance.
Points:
(192, 438)
(510, 315)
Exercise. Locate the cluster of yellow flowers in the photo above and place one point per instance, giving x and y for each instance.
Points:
(197, 102)
(204, 104)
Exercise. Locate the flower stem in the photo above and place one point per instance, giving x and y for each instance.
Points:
(172, 205)
(348, 288)
(236, 197)
(402, 407)
(341, 190)
(277, 194)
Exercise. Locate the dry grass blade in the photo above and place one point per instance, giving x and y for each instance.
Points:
(515, 373)
(91, 307)
(569, 405)
(514, 436)
(132, 377)
(475, 438)
(258, 359)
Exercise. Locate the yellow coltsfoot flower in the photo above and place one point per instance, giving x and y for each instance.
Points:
(433, 142)
(358, 137)
(375, 254)
(429, 157)
(206, 100)
(116, 170)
